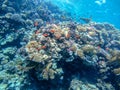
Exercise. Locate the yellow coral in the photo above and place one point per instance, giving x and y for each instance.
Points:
(80, 53)
(117, 71)
(73, 47)
(37, 57)
(48, 72)
(31, 46)
(81, 28)
(57, 35)
(92, 33)
(88, 48)
(115, 56)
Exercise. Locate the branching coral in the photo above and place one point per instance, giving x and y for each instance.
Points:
(81, 28)
(115, 59)
(117, 71)
(32, 46)
(60, 43)
(89, 48)
(48, 72)
(80, 53)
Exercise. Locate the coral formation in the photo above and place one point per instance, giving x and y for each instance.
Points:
(41, 45)
(61, 43)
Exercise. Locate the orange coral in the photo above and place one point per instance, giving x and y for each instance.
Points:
(52, 31)
(57, 35)
(68, 35)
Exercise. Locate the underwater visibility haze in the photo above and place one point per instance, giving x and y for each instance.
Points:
(98, 10)
(59, 45)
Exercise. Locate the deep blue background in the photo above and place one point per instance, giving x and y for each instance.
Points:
(106, 12)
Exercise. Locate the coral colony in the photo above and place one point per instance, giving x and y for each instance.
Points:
(41, 48)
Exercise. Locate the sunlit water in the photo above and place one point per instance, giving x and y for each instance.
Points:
(99, 10)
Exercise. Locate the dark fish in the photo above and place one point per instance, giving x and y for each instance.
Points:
(86, 20)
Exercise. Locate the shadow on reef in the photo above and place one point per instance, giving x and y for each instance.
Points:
(75, 69)
(66, 54)
(71, 69)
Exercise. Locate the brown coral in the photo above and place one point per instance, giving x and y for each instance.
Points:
(81, 28)
(117, 71)
(57, 35)
(92, 33)
(31, 46)
(88, 48)
(48, 72)
(115, 59)
(80, 53)
(37, 57)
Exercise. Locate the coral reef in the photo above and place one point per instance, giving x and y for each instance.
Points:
(63, 43)
(43, 49)
(17, 19)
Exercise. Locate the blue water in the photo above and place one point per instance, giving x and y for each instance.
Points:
(99, 10)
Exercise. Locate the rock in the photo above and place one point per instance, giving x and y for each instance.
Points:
(80, 85)
(17, 19)
(4, 62)
(1, 68)
(9, 50)
(3, 86)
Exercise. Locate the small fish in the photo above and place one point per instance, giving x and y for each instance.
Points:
(44, 47)
(98, 47)
(67, 34)
(45, 34)
(37, 32)
(107, 49)
(38, 49)
(77, 36)
(24, 69)
(86, 20)
(52, 31)
(36, 24)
